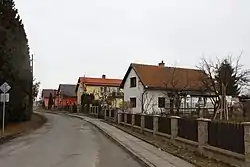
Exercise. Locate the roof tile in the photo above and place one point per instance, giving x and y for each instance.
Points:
(169, 77)
(100, 81)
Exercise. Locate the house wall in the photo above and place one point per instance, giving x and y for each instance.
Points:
(46, 101)
(55, 100)
(151, 101)
(79, 94)
(96, 91)
(63, 101)
(133, 92)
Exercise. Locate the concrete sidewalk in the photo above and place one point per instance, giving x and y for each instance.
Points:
(146, 153)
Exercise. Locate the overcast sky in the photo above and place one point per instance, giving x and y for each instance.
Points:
(72, 38)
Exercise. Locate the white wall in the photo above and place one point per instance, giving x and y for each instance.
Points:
(151, 101)
(133, 92)
(79, 93)
(150, 97)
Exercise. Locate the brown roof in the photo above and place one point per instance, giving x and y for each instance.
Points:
(157, 77)
(99, 82)
(46, 93)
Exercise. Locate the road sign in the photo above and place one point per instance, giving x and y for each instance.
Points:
(5, 97)
(5, 87)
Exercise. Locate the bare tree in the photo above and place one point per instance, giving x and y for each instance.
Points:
(175, 88)
(217, 88)
(104, 96)
(209, 82)
(148, 102)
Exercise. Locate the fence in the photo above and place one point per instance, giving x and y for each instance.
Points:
(107, 113)
(195, 112)
(149, 122)
(188, 129)
(137, 119)
(164, 125)
(222, 141)
(122, 117)
(129, 118)
(229, 136)
(94, 110)
(112, 113)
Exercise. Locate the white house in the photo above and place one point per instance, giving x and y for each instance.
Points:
(147, 87)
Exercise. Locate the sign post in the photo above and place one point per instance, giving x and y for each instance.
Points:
(4, 98)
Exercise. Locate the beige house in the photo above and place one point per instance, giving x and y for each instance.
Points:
(100, 87)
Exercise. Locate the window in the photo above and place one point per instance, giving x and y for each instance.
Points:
(133, 102)
(161, 102)
(133, 82)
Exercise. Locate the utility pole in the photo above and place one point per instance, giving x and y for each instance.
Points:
(32, 72)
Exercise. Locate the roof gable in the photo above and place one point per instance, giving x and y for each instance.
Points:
(127, 74)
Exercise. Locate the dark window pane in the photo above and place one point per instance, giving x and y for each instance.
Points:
(161, 102)
(133, 102)
(133, 82)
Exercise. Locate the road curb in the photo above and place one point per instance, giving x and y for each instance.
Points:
(137, 157)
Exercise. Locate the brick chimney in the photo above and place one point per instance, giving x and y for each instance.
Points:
(103, 76)
(161, 64)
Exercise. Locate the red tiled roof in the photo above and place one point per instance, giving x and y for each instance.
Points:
(100, 81)
(158, 77)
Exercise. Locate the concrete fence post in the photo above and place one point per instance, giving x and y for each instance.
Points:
(125, 117)
(142, 122)
(90, 110)
(155, 124)
(133, 120)
(247, 143)
(105, 114)
(174, 126)
(115, 115)
(119, 117)
(78, 108)
(202, 133)
(110, 118)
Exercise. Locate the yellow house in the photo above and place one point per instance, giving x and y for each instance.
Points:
(97, 86)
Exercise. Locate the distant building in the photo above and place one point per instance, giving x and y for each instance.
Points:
(98, 86)
(45, 95)
(66, 95)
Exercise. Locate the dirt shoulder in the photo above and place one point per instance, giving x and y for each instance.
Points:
(14, 130)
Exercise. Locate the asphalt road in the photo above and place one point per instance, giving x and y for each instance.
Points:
(64, 142)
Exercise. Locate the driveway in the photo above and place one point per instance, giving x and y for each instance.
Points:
(64, 142)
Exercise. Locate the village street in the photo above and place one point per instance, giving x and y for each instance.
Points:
(64, 142)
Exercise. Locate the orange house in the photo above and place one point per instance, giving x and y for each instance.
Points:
(45, 96)
(66, 95)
